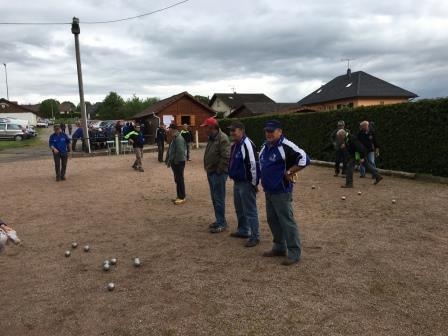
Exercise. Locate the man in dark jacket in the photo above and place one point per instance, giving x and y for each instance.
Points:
(137, 139)
(339, 153)
(352, 147)
(244, 171)
(280, 161)
(176, 160)
(60, 146)
(160, 141)
(216, 161)
(368, 138)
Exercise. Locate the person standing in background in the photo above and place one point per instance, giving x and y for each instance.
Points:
(175, 160)
(188, 137)
(60, 146)
(160, 141)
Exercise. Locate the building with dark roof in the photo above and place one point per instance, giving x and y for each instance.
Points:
(229, 102)
(353, 90)
(257, 109)
(179, 109)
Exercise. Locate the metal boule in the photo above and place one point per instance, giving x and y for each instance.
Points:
(137, 262)
(86, 248)
(74, 245)
(67, 253)
(110, 286)
(113, 261)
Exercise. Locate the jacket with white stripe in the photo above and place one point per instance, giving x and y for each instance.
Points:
(275, 160)
(243, 163)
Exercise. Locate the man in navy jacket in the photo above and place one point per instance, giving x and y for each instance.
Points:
(244, 171)
(280, 160)
(60, 146)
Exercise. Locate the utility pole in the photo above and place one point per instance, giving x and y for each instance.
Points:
(76, 30)
(6, 76)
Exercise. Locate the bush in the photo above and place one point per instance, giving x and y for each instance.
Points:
(412, 136)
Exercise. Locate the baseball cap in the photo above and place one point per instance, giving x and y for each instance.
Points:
(272, 125)
(236, 124)
(210, 122)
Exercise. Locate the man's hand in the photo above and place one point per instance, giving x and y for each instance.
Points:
(343, 146)
(55, 151)
(291, 176)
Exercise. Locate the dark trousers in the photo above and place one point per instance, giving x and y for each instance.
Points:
(188, 150)
(178, 171)
(338, 160)
(350, 163)
(60, 164)
(160, 150)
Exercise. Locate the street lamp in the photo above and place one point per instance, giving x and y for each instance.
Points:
(6, 77)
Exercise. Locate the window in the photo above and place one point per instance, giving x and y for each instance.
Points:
(14, 127)
(2, 127)
(349, 84)
(185, 120)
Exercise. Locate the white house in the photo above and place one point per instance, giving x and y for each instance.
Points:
(12, 110)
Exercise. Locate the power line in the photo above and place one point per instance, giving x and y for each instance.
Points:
(99, 22)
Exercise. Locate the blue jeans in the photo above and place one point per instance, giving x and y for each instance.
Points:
(245, 200)
(371, 157)
(217, 184)
(281, 221)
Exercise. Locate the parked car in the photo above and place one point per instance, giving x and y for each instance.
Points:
(30, 132)
(12, 132)
(50, 121)
(42, 123)
(5, 120)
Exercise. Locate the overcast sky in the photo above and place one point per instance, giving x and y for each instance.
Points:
(283, 48)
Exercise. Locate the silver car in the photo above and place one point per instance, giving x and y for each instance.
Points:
(12, 132)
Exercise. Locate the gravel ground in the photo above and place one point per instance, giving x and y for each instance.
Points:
(369, 267)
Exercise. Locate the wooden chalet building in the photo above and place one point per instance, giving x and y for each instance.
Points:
(180, 109)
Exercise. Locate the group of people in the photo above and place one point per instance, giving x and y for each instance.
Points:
(350, 149)
(275, 167)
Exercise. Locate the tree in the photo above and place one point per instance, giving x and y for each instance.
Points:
(49, 108)
(203, 99)
(112, 107)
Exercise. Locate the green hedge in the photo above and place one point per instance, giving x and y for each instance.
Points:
(413, 136)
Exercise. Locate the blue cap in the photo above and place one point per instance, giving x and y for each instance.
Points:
(272, 125)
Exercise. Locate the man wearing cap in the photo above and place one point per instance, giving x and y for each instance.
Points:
(244, 171)
(137, 139)
(216, 161)
(339, 158)
(60, 146)
(280, 160)
(160, 140)
(176, 160)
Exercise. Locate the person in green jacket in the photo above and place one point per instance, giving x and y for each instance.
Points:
(176, 161)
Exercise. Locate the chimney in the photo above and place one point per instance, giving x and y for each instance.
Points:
(349, 73)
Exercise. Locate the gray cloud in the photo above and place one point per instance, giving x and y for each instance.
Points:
(284, 48)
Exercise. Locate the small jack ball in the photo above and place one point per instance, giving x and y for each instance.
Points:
(359, 193)
(394, 201)
(343, 198)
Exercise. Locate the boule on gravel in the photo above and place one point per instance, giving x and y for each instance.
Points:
(106, 267)
(74, 245)
(67, 253)
(137, 262)
(110, 286)
(86, 248)
(343, 198)
(113, 261)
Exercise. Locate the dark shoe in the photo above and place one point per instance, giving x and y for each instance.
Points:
(273, 253)
(252, 243)
(347, 186)
(218, 229)
(134, 167)
(58, 178)
(63, 178)
(289, 262)
(378, 179)
(212, 225)
(362, 176)
(238, 235)
(140, 170)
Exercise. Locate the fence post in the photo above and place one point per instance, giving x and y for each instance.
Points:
(117, 148)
